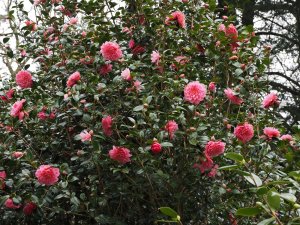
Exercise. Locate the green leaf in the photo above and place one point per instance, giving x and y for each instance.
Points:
(295, 174)
(138, 108)
(166, 144)
(149, 99)
(278, 182)
(238, 72)
(59, 93)
(131, 120)
(267, 221)
(262, 191)
(234, 156)
(254, 179)
(289, 197)
(236, 64)
(249, 211)
(168, 212)
(273, 199)
(10, 53)
(230, 167)
(5, 40)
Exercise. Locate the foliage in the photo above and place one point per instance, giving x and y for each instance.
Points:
(256, 181)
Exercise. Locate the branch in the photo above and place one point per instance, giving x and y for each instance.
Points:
(277, 34)
(268, 6)
(285, 88)
(284, 76)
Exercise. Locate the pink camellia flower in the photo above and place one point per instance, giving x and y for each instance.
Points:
(31, 25)
(73, 79)
(23, 53)
(270, 100)
(205, 165)
(42, 115)
(46, 51)
(127, 30)
(86, 136)
(178, 16)
(171, 127)
(2, 179)
(83, 34)
(155, 57)
(131, 43)
(156, 147)
(73, 21)
(65, 27)
(212, 87)
(232, 97)
(120, 154)
(37, 2)
(111, 51)
(105, 69)
(181, 59)
(107, 125)
(24, 79)
(138, 49)
(126, 74)
(214, 148)
(194, 92)
(87, 60)
(231, 32)
(222, 28)
(65, 11)
(52, 115)
(244, 132)
(225, 18)
(29, 208)
(17, 155)
(138, 85)
(287, 137)
(271, 132)
(9, 203)
(8, 95)
(2, 175)
(47, 174)
(213, 171)
(16, 110)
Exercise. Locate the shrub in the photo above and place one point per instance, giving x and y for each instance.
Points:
(108, 132)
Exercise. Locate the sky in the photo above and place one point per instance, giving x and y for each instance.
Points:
(4, 28)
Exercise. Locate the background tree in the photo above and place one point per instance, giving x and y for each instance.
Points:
(277, 24)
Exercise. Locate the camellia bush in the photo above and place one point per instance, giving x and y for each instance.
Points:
(143, 112)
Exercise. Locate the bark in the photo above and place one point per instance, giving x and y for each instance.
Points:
(248, 13)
